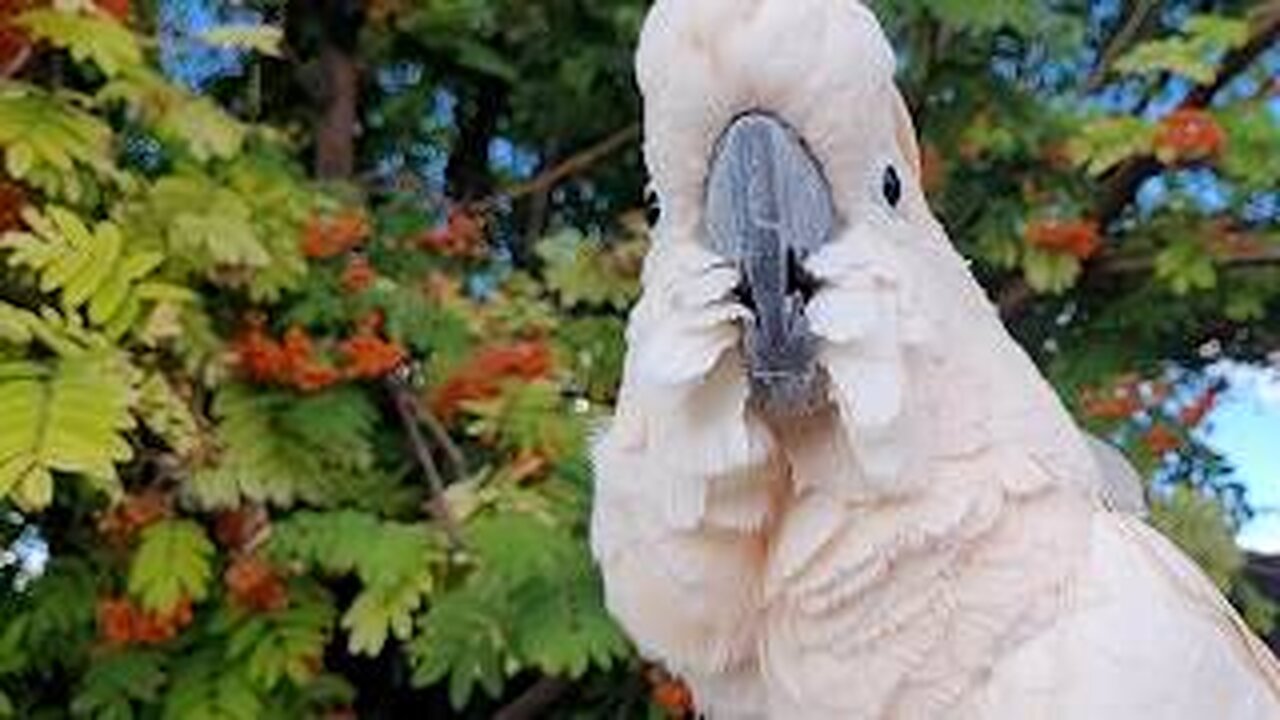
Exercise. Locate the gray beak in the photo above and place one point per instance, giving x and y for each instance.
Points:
(768, 208)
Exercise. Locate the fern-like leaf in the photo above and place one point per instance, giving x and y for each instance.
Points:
(173, 562)
(88, 38)
(47, 141)
(66, 417)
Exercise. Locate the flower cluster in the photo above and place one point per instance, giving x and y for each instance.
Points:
(669, 693)
(255, 586)
(121, 622)
(482, 376)
(329, 237)
(461, 237)
(134, 514)
(1079, 238)
(294, 361)
(1189, 135)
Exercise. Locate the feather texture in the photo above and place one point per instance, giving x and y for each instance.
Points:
(930, 543)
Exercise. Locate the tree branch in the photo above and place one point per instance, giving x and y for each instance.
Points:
(573, 165)
(536, 700)
(407, 409)
(1130, 30)
(1122, 186)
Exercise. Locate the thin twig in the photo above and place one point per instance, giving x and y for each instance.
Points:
(573, 165)
(535, 701)
(1129, 31)
(457, 462)
(407, 408)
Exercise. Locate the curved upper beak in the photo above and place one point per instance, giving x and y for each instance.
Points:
(768, 207)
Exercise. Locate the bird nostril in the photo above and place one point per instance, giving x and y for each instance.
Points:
(799, 280)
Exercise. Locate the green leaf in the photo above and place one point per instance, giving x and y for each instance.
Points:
(1198, 524)
(89, 268)
(528, 417)
(117, 682)
(1195, 55)
(394, 562)
(288, 644)
(205, 687)
(581, 272)
(47, 142)
(67, 417)
(281, 448)
(1187, 267)
(261, 39)
(463, 638)
(1106, 142)
(106, 43)
(1048, 272)
(1252, 154)
(173, 562)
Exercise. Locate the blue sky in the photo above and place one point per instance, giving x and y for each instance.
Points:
(1246, 429)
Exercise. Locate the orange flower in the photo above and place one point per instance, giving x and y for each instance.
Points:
(115, 621)
(462, 237)
(260, 357)
(324, 238)
(1119, 403)
(1073, 237)
(1188, 135)
(368, 356)
(483, 375)
(1161, 440)
(118, 9)
(254, 585)
(238, 528)
(358, 276)
(134, 514)
(120, 622)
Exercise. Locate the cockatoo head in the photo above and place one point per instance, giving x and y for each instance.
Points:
(794, 239)
(774, 132)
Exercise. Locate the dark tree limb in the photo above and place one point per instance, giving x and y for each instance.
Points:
(535, 701)
(335, 128)
(575, 164)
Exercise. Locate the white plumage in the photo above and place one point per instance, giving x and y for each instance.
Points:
(932, 543)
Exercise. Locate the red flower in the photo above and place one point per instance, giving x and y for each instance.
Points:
(254, 585)
(330, 237)
(118, 9)
(461, 237)
(134, 514)
(1079, 238)
(1161, 440)
(483, 375)
(368, 356)
(115, 621)
(238, 528)
(1119, 403)
(1188, 135)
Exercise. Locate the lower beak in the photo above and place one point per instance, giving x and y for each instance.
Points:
(768, 208)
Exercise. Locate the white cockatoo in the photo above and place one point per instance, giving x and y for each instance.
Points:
(834, 487)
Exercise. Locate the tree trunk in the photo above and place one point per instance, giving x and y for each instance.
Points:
(338, 119)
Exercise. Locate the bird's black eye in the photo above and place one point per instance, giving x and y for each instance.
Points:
(652, 208)
(892, 186)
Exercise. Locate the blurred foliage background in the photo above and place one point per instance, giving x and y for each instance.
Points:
(307, 309)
